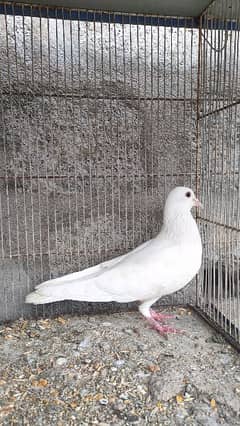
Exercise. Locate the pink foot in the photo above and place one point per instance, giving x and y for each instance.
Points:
(163, 329)
(160, 317)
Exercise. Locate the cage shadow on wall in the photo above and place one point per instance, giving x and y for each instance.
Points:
(101, 115)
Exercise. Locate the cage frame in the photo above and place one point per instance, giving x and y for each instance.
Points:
(22, 9)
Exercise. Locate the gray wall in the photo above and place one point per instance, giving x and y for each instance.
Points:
(97, 125)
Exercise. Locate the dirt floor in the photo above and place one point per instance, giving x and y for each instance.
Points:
(114, 370)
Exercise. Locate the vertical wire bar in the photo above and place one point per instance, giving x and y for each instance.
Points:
(32, 51)
(212, 174)
(139, 135)
(158, 110)
(73, 206)
(48, 83)
(230, 192)
(221, 77)
(2, 119)
(214, 200)
(15, 160)
(24, 50)
(224, 170)
(96, 138)
(104, 110)
(5, 140)
(66, 24)
(192, 106)
(238, 284)
(176, 95)
(73, 179)
(111, 140)
(217, 284)
(164, 70)
(38, 174)
(41, 207)
(82, 178)
(233, 160)
(171, 70)
(132, 136)
(59, 229)
(211, 103)
(118, 106)
(211, 71)
(8, 250)
(26, 224)
(51, 128)
(90, 148)
(44, 114)
(235, 198)
(56, 99)
(125, 140)
(231, 174)
(200, 69)
(235, 201)
(104, 133)
(151, 165)
(183, 33)
(33, 240)
(145, 133)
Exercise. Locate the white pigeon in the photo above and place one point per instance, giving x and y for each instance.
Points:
(156, 268)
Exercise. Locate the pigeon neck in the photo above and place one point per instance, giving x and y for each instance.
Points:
(180, 225)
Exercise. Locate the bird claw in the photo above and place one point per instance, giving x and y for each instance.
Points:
(163, 330)
(158, 316)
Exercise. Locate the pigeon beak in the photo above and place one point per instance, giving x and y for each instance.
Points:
(197, 203)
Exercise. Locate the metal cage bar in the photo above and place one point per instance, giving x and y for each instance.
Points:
(89, 148)
(101, 115)
(218, 294)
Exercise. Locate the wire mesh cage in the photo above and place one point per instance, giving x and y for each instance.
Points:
(101, 115)
(218, 121)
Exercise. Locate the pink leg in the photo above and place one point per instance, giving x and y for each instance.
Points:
(160, 317)
(163, 329)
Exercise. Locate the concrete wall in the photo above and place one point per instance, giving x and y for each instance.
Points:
(97, 125)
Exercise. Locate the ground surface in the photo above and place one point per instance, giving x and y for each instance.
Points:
(114, 370)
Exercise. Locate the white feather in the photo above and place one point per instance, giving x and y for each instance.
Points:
(158, 267)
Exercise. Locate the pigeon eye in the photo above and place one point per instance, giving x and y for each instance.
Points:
(188, 194)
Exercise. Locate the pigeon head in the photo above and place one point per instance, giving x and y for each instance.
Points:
(180, 200)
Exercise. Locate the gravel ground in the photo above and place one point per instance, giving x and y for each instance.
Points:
(115, 370)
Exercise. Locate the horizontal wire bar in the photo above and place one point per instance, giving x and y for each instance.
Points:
(219, 109)
(112, 98)
(96, 16)
(143, 176)
(26, 177)
(29, 94)
(47, 254)
(218, 24)
(223, 225)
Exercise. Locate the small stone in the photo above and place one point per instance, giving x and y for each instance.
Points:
(132, 418)
(181, 413)
(123, 396)
(119, 362)
(141, 347)
(103, 401)
(84, 343)
(61, 361)
(114, 369)
(106, 324)
(128, 331)
(118, 407)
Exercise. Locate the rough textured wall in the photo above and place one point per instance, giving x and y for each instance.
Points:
(97, 125)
